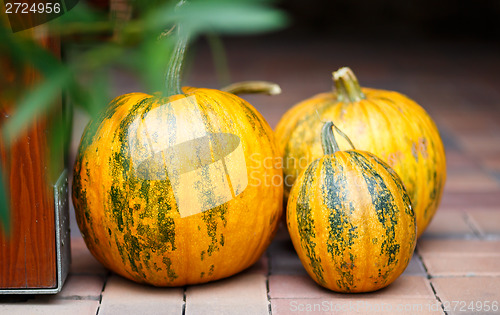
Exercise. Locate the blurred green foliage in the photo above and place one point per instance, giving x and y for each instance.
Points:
(104, 41)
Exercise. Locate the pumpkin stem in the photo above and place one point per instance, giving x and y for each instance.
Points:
(253, 87)
(328, 141)
(174, 68)
(347, 85)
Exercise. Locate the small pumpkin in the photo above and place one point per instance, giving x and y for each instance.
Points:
(350, 220)
(385, 123)
(174, 190)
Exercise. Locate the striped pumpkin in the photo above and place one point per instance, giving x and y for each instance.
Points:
(350, 220)
(175, 188)
(146, 222)
(387, 124)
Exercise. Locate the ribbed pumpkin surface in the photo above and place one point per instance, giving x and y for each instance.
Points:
(125, 197)
(385, 123)
(351, 222)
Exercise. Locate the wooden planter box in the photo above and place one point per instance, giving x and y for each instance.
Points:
(34, 259)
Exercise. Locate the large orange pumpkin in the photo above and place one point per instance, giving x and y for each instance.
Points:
(385, 123)
(175, 190)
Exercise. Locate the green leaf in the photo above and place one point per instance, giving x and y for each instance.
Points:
(220, 16)
(100, 96)
(136, 48)
(230, 17)
(35, 102)
(81, 13)
(4, 205)
(82, 20)
(151, 62)
(58, 139)
(31, 53)
(220, 60)
(81, 98)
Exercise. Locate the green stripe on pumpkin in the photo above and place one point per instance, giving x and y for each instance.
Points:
(334, 190)
(399, 185)
(383, 201)
(305, 221)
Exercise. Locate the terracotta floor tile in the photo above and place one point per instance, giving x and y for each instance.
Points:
(355, 306)
(51, 307)
(460, 160)
(295, 286)
(448, 224)
(491, 162)
(241, 294)
(458, 247)
(415, 267)
(471, 181)
(82, 261)
(122, 296)
(480, 144)
(487, 221)
(462, 265)
(302, 306)
(287, 265)
(456, 294)
(290, 286)
(460, 257)
(449, 140)
(284, 259)
(261, 266)
(404, 287)
(469, 200)
(82, 287)
(474, 122)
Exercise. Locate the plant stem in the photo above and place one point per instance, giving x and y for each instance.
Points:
(328, 141)
(348, 88)
(174, 69)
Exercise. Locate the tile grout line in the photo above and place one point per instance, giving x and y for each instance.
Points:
(267, 282)
(472, 225)
(102, 291)
(437, 297)
(184, 301)
(429, 277)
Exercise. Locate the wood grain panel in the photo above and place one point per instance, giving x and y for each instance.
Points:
(28, 255)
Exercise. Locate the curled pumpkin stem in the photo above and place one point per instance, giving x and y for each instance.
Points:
(328, 141)
(253, 87)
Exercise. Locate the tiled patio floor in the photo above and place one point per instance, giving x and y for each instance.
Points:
(456, 264)
(456, 267)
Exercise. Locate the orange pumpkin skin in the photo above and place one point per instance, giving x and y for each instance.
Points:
(129, 215)
(351, 222)
(385, 123)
